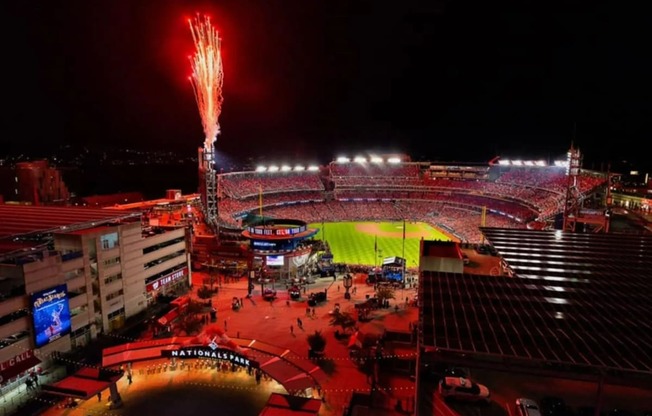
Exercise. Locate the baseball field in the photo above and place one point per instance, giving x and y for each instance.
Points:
(369, 243)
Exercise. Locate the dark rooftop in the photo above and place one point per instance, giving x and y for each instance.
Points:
(574, 301)
(16, 220)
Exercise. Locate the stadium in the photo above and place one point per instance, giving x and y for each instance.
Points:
(373, 206)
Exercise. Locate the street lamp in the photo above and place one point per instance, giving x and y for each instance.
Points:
(347, 282)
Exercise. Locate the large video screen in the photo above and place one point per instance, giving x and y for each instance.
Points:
(275, 260)
(51, 314)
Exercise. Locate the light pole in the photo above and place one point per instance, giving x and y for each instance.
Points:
(347, 282)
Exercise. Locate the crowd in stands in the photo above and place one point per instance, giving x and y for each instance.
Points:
(462, 222)
(393, 191)
(246, 184)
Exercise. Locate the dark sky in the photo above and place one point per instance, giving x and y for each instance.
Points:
(311, 79)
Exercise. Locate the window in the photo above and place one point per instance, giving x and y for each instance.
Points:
(78, 310)
(114, 294)
(113, 278)
(73, 274)
(164, 244)
(109, 241)
(111, 262)
(163, 259)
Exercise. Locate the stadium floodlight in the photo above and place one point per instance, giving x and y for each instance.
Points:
(540, 163)
(299, 168)
(273, 168)
(504, 162)
(376, 159)
(528, 163)
(394, 160)
(343, 159)
(261, 169)
(313, 168)
(285, 168)
(517, 162)
(561, 163)
(360, 159)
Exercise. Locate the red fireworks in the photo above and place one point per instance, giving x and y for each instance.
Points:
(207, 76)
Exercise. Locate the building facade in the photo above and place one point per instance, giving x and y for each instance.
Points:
(92, 282)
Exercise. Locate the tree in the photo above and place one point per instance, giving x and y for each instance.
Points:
(317, 344)
(344, 320)
(204, 292)
(190, 324)
(194, 307)
(385, 292)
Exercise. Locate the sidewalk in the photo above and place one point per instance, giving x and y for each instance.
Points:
(270, 322)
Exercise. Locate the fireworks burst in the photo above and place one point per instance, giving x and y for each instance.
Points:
(207, 76)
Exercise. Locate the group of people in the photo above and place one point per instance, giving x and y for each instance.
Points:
(31, 382)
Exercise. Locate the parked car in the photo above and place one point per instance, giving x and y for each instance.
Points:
(554, 406)
(295, 292)
(482, 249)
(527, 407)
(465, 259)
(463, 389)
(617, 411)
(316, 297)
(269, 294)
(585, 411)
(438, 371)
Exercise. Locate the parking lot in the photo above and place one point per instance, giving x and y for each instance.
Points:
(580, 397)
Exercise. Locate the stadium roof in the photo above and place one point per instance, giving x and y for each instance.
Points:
(576, 302)
(16, 220)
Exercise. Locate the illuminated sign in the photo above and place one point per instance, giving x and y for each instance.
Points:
(16, 365)
(212, 352)
(285, 231)
(264, 244)
(166, 280)
(50, 314)
(275, 260)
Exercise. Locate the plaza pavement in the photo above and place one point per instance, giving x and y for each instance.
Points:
(270, 323)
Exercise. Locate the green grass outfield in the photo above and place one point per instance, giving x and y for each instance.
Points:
(352, 245)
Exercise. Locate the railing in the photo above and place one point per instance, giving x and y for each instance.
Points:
(72, 255)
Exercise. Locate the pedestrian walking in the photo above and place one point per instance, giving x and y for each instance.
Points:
(313, 312)
(291, 329)
(338, 288)
(241, 303)
(129, 379)
(299, 323)
(225, 324)
(99, 396)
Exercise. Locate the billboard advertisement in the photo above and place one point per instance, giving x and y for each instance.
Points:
(51, 314)
(275, 260)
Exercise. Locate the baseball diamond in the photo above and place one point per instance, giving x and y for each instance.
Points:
(367, 243)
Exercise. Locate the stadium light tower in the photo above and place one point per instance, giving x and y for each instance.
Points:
(207, 78)
(574, 212)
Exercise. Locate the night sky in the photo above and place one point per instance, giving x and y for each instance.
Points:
(311, 79)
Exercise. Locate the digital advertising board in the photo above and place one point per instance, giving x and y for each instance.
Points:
(51, 314)
(275, 260)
